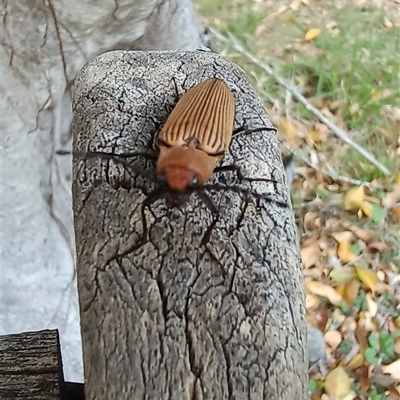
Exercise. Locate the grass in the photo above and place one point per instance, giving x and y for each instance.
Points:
(351, 72)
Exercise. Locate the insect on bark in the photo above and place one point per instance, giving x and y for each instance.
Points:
(192, 142)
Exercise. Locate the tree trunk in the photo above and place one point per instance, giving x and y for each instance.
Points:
(175, 319)
(44, 45)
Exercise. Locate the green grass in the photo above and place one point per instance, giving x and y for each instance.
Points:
(358, 60)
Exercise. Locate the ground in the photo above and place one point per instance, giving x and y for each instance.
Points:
(343, 57)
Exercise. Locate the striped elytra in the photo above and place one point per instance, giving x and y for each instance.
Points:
(196, 135)
(206, 112)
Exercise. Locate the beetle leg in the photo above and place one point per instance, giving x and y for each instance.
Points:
(237, 189)
(118, 158)
(176, 88)
(246, 130)
(148, 201)
(239, 173)
(207, 201)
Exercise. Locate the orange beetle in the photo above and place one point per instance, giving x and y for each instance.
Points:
(195, 137)
(193, 140)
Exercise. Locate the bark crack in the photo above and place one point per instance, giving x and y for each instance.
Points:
(50, 7)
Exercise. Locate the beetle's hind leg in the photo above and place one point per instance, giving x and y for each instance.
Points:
(240, 175)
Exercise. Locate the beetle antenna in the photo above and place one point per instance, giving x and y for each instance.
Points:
(148, 201)
(217, 187)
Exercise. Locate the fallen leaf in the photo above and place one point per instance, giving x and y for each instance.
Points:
(367, 277)
(343, 236)
(314, 136)
(396, 212)
(351, 292)
(378, 246)
(371, 304)
(343, 275)
(312, 34)
(359, 232)
(288, 129)
(333, 339)
(337, 384)
(310, 254)
(344, 251)
(355, 362)
(392, 369)
(309, 220)
(363, 374)
(322, 290)
(366, 208)
(312, 301)
(354, 198)
(392, 197)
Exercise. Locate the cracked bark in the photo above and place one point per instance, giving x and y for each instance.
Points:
(172, 319)
(44, 44)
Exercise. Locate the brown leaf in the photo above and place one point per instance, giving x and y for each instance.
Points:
(320, 289)
(310, 255)
(351, 292)
(362, 372)
(333, 339)
(337, 384)
(361, 335)
(396, 212)
(378, 246)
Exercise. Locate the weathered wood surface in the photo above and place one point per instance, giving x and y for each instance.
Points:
(171, 319)
(30, 366)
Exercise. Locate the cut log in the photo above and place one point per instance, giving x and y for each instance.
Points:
(174, 318)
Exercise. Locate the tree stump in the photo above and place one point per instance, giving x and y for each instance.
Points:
(175, 319)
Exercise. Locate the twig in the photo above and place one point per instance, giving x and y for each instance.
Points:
(336, 177)
(231, 40)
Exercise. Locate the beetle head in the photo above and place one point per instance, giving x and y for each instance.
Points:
(179, 181)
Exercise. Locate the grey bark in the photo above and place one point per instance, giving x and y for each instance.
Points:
(172, 319)
(43, 46)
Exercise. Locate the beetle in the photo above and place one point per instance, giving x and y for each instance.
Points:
(194, 139)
